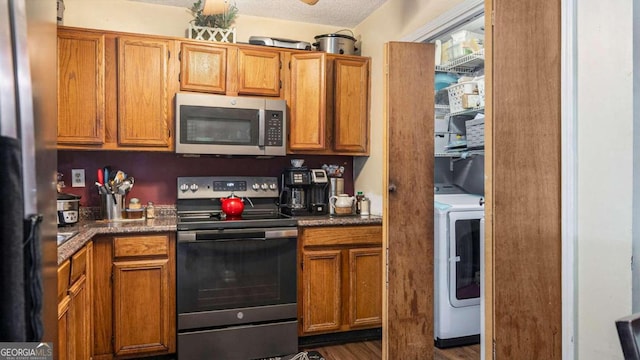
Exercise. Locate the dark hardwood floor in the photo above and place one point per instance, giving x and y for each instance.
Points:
(371, 350)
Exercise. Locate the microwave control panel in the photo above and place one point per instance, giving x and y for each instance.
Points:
(274, 128)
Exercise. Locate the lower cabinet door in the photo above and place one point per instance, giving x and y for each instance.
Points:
(79, 331)
(322, 296)
(141, 307)
(365, 287)
(63, 329)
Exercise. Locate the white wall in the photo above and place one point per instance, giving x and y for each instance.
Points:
(390, 22)
(605, 143)
(138, 17)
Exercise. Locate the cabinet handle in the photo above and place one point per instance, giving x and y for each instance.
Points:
(392, 188)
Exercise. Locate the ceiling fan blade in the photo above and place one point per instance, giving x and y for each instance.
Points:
(309, 2)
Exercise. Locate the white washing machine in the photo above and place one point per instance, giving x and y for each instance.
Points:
(458, 267)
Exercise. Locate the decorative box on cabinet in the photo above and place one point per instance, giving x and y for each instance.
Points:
(329, 100)
(340, 279)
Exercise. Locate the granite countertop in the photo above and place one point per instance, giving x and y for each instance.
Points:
(326, 220)
(87, 229)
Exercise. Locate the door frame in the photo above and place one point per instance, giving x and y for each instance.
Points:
(470, 9)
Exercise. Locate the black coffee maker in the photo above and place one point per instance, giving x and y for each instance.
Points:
(296, 187)
(319, 192)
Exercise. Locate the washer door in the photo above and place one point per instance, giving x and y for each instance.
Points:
(465, 239)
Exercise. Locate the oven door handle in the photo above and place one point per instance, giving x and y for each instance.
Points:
(215, 235)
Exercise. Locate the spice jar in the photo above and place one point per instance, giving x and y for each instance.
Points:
(134, 204)
(151, 210)
(359, 197)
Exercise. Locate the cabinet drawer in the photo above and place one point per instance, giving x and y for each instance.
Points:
(78, 264)
(148, 245)
(342, 235)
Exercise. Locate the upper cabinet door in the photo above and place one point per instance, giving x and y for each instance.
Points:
(203, 68)
(307, 123)
(143, 94)
(81, 95)
(258, 72)
(351, 105)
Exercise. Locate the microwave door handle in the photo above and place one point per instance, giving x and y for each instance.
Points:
(261, 115)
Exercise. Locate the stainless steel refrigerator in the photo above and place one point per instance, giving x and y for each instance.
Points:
(28, 120)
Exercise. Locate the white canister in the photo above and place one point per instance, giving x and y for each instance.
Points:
(364, 207)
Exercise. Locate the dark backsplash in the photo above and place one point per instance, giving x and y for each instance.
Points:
(155, 173)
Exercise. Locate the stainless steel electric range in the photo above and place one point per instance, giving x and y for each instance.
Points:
(236, 278)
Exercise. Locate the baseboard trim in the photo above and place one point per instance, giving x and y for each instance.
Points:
(339, 338)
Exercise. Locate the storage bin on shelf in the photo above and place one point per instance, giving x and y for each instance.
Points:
(466, 95)
(475, 133)
(457, 91)
(462, 43)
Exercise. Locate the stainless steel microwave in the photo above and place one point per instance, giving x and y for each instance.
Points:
(226, 125)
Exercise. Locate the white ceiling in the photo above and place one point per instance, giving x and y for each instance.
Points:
(339, 13)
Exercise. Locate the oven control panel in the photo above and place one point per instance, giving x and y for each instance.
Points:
(204, 187)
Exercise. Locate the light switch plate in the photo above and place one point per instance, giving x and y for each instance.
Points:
(77, 178)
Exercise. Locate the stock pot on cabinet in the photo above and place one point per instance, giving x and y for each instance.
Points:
(336, 43)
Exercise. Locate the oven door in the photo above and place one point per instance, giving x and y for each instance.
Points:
(236, 276)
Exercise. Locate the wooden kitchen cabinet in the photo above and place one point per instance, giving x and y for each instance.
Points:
(329, 100)
(229, 70)
(115, 91)
(74, 305)
(135, 296)
(203, 68)
(81, 92)
(258, 72)
(144, 98)
(340, 279)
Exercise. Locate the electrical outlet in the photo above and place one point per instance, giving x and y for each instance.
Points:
(77, 178)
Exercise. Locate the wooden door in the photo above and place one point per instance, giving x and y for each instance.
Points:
(203, 68)
(79, 317)
(259, 72)
(307, 125)
(409, 172)
(79, 332)
(365, 287)
(322, 299)
(62, 348)
(64, 301)
(351, 105)
(81, 88)
(144, 114)
(523, 188)
(141, 301)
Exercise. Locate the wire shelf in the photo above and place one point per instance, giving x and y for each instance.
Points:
(460, 154)
(467, 112)
(464, 64)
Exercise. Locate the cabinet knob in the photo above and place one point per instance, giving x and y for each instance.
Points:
(392, 187)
